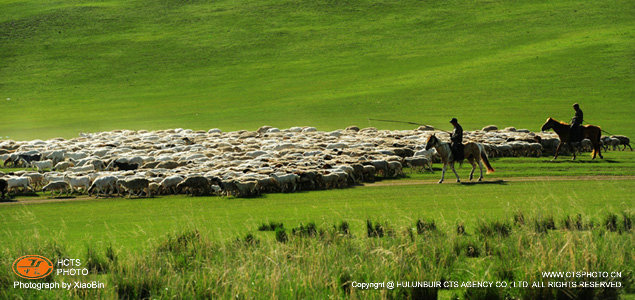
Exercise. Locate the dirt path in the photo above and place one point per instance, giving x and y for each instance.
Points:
(381, 183)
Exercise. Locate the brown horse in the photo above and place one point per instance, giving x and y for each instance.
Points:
(473, 152)
(590, 132)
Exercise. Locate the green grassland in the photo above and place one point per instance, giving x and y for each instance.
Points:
(77, 66)
(198, 246)
(128, 223)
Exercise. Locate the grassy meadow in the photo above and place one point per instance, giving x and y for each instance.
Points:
(126, 222)
(212, 247)
(81, 66)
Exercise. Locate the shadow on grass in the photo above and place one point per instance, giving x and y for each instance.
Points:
(62, 197)
(500, 181)
(27, 194)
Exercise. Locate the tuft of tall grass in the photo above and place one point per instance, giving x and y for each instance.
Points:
(378, 230)
(544, 224)
(95, 262)
(272, 226)
(494, 227)
(310, 230)
(281, 235)
(425, 226)
(344, 228)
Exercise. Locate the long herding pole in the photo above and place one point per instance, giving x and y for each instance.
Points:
(406, 122)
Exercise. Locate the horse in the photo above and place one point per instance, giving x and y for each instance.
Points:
(473, 152)
(590, 132)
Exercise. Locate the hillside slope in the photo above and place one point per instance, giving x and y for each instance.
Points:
(71, 66)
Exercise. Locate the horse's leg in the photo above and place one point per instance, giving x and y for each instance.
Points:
(558, 150)
(480, 166)
(455, 173)
(445, 165)
(471, 160)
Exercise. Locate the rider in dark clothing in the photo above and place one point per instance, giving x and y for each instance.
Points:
(576, 122)
(457, 140)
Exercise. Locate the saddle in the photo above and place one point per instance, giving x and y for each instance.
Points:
(458, 151)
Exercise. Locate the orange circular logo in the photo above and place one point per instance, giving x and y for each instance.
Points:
(32, 267)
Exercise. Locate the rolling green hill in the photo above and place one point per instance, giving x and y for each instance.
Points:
(71, 66)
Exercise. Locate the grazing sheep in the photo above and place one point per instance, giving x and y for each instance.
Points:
(56, 156)
(309, 180)
(82, 169)
(168, 184)
(167, 165)
(369, 173)
(586, 145)
(268, 185)
(134, 185)
(122, 164)
(624, 140)
(42, 165)
(381, 166)
(395, 169)
(287, 182)
(37, 179)
(59, 186)
(77, 182)
(335, 180)
(63, 166)
(3, 187)
(104, 185)
(76, 155)
(358, 173)
(154, 187)
(418, 162)
(605, 142)
(490, 128)
(242, 188)
(97, 164)
(19, 182)
(24, 158)
(615, 143)
(198, 185)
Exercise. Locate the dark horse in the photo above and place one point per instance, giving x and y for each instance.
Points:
(590, 132)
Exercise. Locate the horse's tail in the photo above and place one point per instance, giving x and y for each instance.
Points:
(595, 141)
(490, 169)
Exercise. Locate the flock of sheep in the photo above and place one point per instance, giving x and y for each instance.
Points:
(241, 163)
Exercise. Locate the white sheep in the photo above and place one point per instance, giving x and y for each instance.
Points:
(77, 182)
(63, 166)
(19, 182)
(168, 185)
(59, 186)
(42, 165)
(104, 185)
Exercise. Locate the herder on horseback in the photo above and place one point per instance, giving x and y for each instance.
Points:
(456, 139)
(456, 152)
(575, 131)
